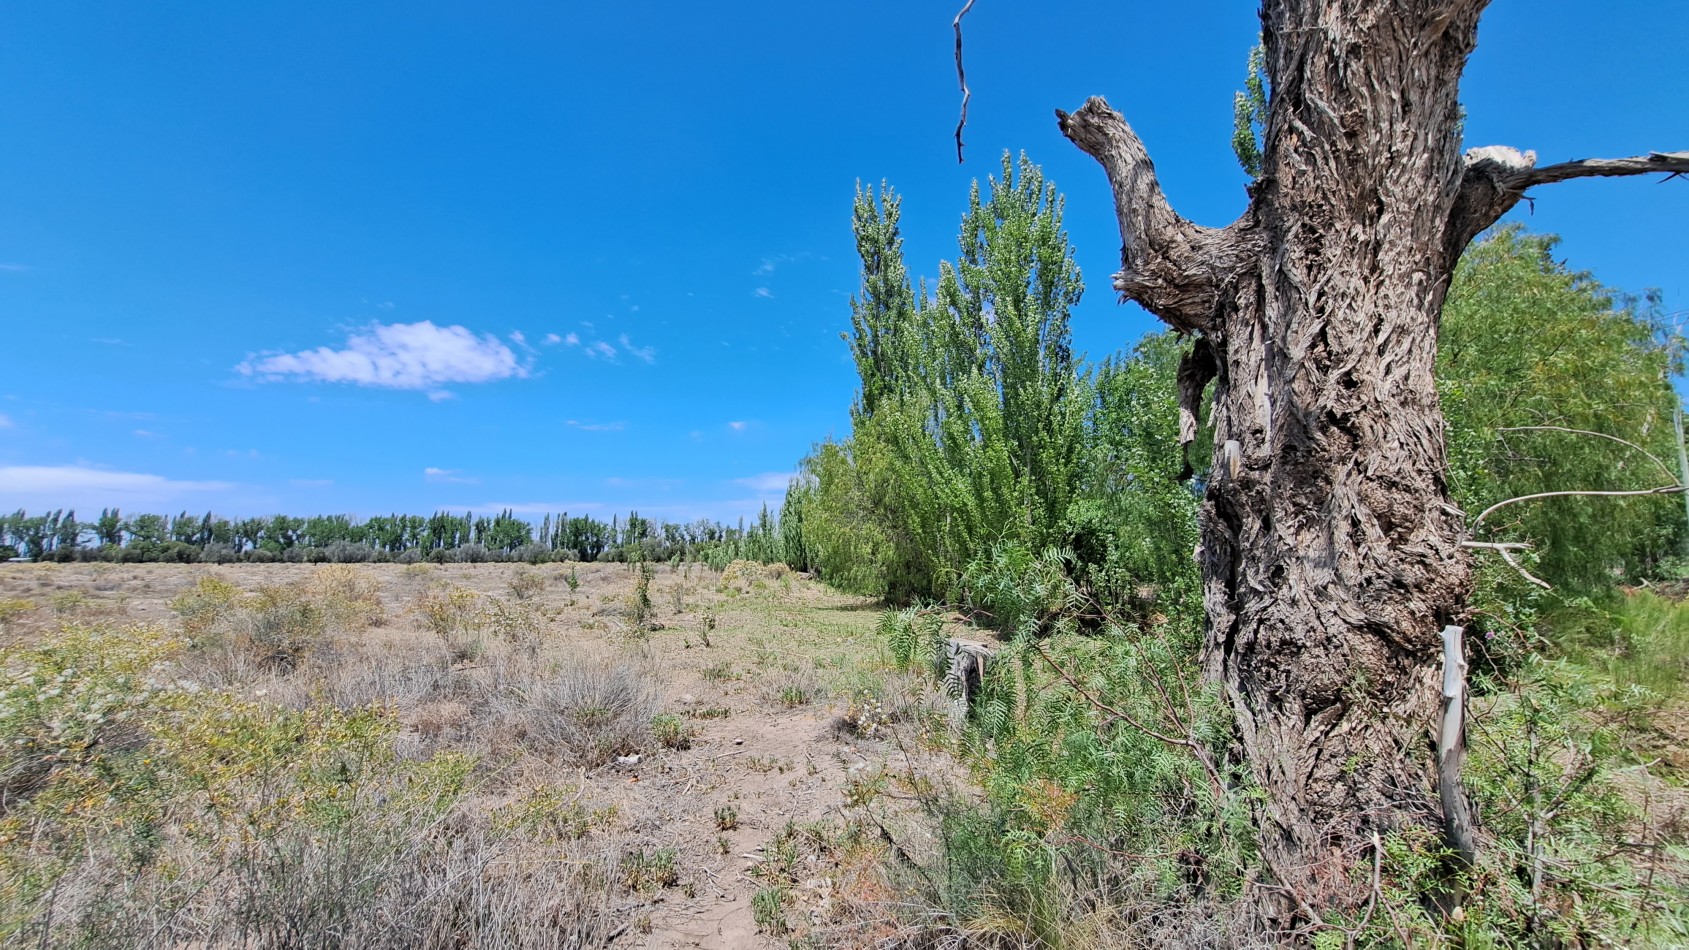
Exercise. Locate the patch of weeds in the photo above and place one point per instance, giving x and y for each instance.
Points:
(794, 695)
(207, 602)
(726, 818)
(720, 673)
(643, 872)
(672, 732)
(552, 813)
(768, 907)
(69, 602)
(284, 625)
(12, 609)
(709, 712)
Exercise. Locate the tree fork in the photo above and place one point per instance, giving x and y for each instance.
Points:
(1332, 557)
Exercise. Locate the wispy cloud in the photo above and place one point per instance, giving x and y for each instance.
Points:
(450, 476)
(395, 356)
(769, 482)
(646, 353)
(596, 426)
(763, 292)
(770, 264)
(14, 268)
(5, 421)
(737, 425)
(32, 486)
(602, 349)
(441, 395)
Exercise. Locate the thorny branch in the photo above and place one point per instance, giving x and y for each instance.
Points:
(961, 78)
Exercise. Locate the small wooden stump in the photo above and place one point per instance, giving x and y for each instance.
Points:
(964, 662)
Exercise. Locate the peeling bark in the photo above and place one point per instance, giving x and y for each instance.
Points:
(1331, 555)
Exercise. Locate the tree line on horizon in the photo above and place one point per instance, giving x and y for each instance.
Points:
(442, 537)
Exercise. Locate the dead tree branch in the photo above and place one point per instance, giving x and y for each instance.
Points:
(1174, 268)
(1496, 177)
(1600, 435)
(961, 78)
(1662, 490)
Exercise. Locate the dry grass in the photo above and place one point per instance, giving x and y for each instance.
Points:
(535, 684)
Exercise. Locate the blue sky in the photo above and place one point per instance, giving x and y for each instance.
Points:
(314, 257)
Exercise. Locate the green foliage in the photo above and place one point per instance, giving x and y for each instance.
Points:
(1249, 114)
(968, 426)
(1528, 342)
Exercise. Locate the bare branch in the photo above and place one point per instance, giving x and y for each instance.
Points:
(1662, 490)
(1497, 176)
(1600, 435)
(1675, 163)
(961, 78)
(1171, 266)
(1507, 555)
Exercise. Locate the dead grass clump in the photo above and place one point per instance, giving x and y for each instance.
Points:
(591, 712)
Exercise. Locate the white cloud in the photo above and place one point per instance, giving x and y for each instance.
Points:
(763, 292)
(737, 426)
(603, 349)
(769, 482)
(646, 353)
(596, 426)
(441, 395)
(396, 356)
(552, 339)
(573, 339)
(83, 486)
(449, 476)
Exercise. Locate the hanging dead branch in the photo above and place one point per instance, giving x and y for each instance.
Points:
(961, 78)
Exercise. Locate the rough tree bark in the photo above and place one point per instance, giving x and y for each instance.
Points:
(1331, 553)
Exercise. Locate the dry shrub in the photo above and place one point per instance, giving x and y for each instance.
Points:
(453, 614)
(350, 599)
(525, 584)
(590, 712)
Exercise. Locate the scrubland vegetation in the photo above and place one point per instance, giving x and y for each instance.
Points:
(747, 734)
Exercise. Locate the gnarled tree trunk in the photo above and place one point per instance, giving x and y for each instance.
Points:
(1331, 553)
